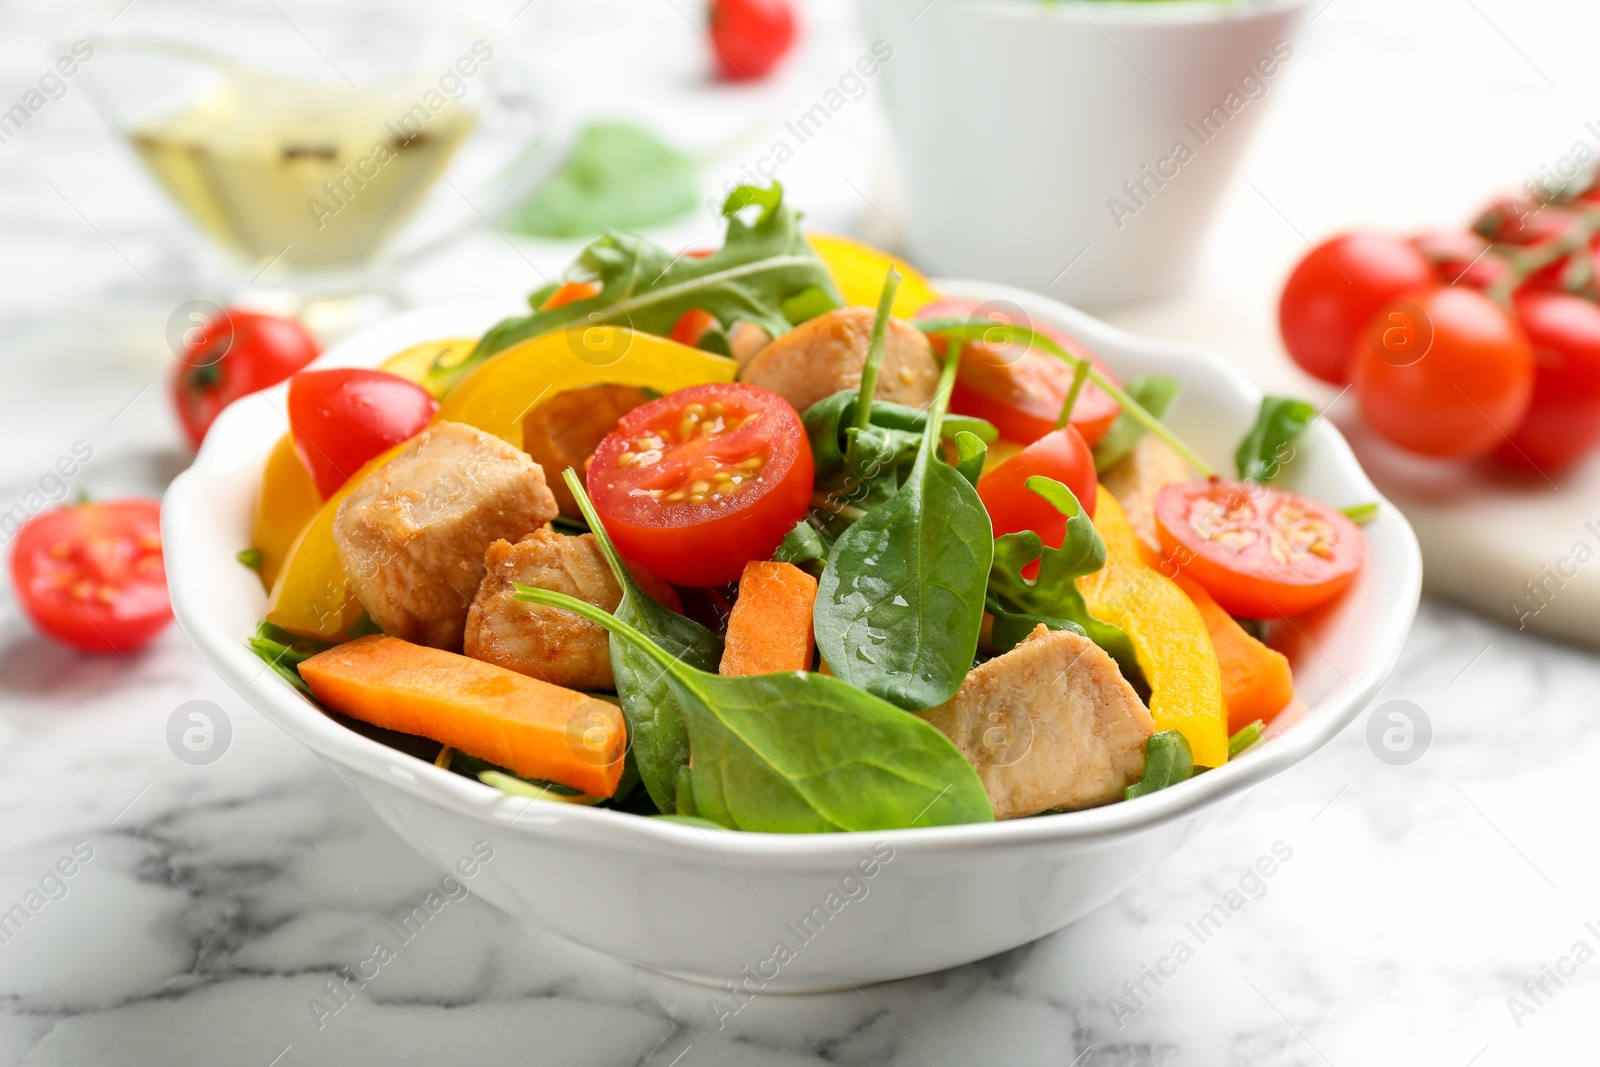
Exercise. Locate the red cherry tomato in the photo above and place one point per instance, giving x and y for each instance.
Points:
(1444, 372)
(1013, 507)
(1563, 421)
(1334, 291)
(1260, 552)
(697, 482)
(233, 355)
(1021, 390)
(1462, 258)
(91, 576)
(1519, 221)
(342, 418)
(750, 36)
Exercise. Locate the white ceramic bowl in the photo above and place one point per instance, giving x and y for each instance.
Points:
(1019, 121)
(710, 904)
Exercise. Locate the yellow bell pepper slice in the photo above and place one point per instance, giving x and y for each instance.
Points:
(312, 596)
(416, 362)
(287, 500)
(858, 271)
(1168, 633)
(496, 395)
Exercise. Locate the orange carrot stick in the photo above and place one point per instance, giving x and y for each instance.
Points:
(769, 629)
(1256, 681)
(536, 729)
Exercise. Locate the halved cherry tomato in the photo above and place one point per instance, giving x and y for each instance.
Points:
(1563, 421)
(1021, 390)
(1012, 506)
(695, 483)
(1260, 552)
(233, 355)
(1335, 289)
(690, 325)
(569, 293)
(342, 418)
(1444, 372)
(91, 576)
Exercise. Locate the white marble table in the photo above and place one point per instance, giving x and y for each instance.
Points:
(208, 906)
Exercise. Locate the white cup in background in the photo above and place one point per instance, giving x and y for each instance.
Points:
(1078, 148)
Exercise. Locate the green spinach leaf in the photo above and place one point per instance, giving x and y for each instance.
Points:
(284, 652)
(803, 753)
(1268, 446)
(1156, 393)
(900, 603)
(1053, 597)
(617, 176)
(656, 729)
(971, 451)
(1167, 761)
(804, 547)
(761, 264)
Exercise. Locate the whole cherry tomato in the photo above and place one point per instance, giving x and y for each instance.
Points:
(233, 355)
(1260, 552)
(697, 482)
(339, 419)
(1020, 390)
(1444, 372)
(750, 36)
(92, 576)
(1563, 421)
(1517, 220)
(1012, 506)
(1334, 291)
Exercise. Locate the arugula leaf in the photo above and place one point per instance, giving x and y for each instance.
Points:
(1266, 448)
(1053, 597)
(643, 286)
(617, 175)
(900, 603)
(1361, 514)
(284, 652)
(803, 753)
(803, 547)
(1247, 736)
(829, 420)
(1157, 393)
(1167, 761)
(656, 728)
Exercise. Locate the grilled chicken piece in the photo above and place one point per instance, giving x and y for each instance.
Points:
(1050, 724)
(412, 535)
(563, 431)
(1136, 480)
(826, 354)
(543, 642)
(745, 342)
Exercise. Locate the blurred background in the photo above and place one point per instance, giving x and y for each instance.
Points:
(1414, 912)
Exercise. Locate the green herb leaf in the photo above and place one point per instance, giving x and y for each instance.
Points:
(1167, 761)
(1268, 446)
(971, 451)
(1053, 597)
(284, 652)
(658, 734)
(803, 753)
(1361, 514)
(900, 603)
(803, 547)
(1246, 737)
(1156, 393)
(617, 176)
(645, 287)
(250, 557)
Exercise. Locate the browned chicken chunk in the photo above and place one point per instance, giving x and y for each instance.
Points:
(412, 535)
(826, 354)
(1050, 724)
(547, 643)
(1136, 480)
(563, 431)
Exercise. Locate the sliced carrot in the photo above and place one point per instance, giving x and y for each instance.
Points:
(536, 729)
(1256, 681)
(769, 629)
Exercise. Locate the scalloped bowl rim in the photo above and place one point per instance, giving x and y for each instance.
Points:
(227, 654)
